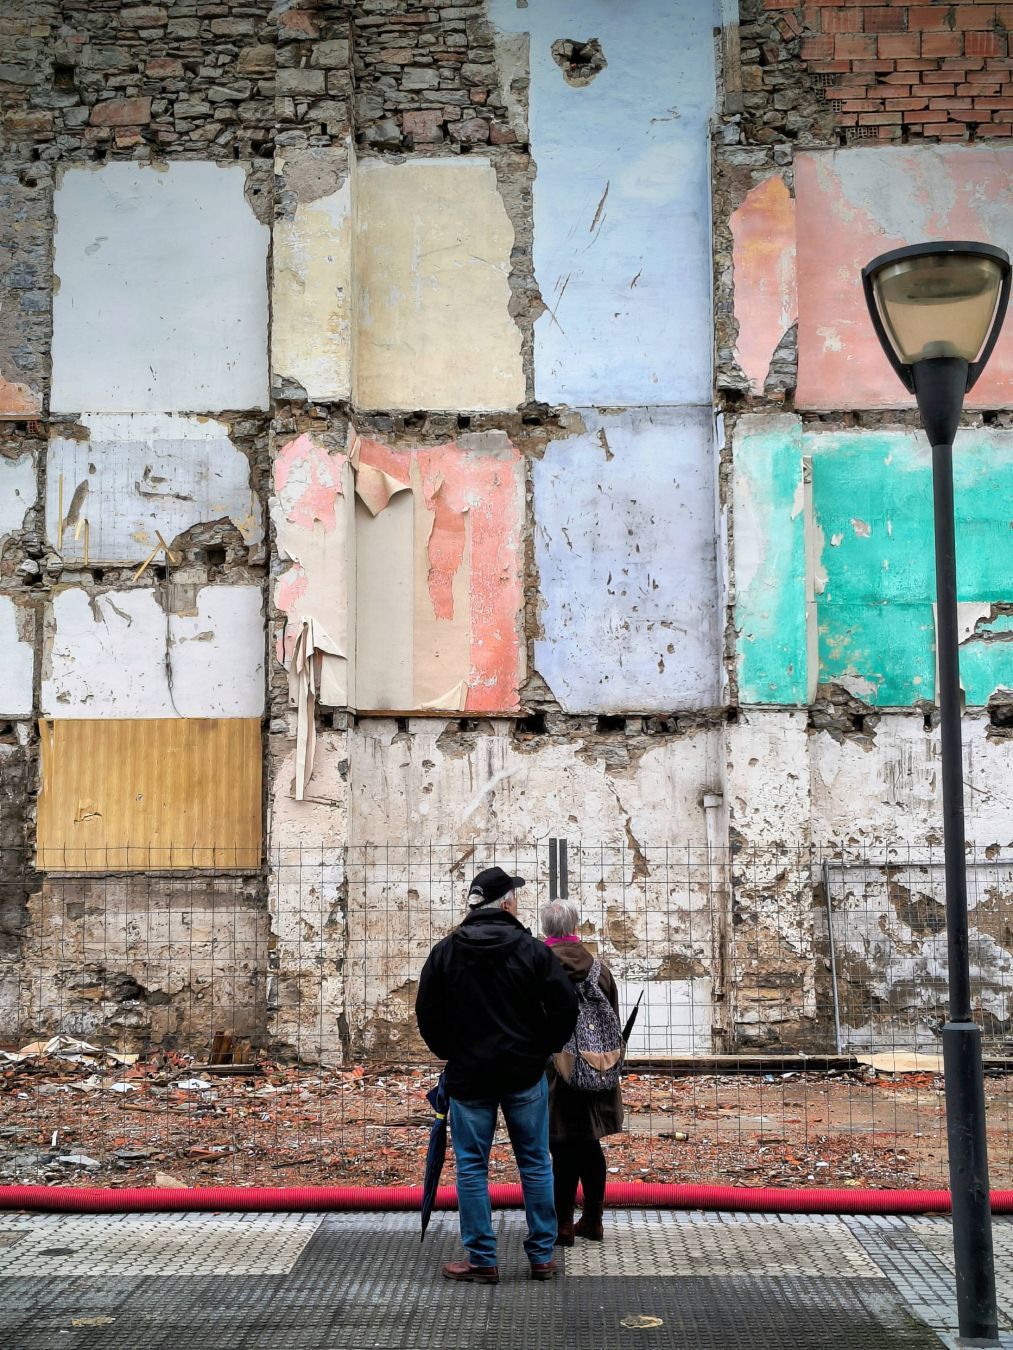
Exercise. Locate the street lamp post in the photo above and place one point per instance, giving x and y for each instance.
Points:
(937, 310)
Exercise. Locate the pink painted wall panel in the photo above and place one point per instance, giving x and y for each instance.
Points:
(853, 204)
(766, 298)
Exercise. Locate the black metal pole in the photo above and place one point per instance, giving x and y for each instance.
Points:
(940, 387)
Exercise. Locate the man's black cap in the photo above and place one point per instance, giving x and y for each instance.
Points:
(492, 884)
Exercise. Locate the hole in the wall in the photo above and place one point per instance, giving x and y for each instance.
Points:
(610, 726)
(6, 730)
(732, 715)
(533, 725)
(857, 721)
(63, 76)
(98, 574)
(579, 61)
(215, 557)
(465, 724)
(402, 726)
(929, 721)
(463, 423)
(1001, 715)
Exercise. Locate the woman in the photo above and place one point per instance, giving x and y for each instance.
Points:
(578, 1120)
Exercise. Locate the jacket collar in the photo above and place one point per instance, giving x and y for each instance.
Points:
(492, 916)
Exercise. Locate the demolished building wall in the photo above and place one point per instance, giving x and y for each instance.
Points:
(455, 425)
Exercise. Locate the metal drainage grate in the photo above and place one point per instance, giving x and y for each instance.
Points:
(154, 1244)
(653, 1242)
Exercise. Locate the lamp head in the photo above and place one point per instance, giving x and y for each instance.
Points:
(938, 300)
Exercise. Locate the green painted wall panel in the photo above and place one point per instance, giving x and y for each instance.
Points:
(871, 550)
(770, 561)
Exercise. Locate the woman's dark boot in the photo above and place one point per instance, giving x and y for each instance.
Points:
(564, 1222)
(589, 1226)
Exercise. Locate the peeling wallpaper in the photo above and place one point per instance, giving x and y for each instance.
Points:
(452, 569)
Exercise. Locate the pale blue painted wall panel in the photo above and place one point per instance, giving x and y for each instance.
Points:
(622, 237)
(625, 545)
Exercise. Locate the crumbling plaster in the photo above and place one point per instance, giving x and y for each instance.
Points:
(371, 917)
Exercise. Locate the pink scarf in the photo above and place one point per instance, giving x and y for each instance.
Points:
(567, 937)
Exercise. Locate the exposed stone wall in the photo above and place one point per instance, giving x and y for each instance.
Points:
(426, 75)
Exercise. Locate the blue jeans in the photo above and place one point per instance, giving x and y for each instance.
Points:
(472, 1126)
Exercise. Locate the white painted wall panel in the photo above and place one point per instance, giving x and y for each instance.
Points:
(136, 475)
(625, 545)
(18, 491)
(622, 235)
(17, 661)
(162, 297)
(120, 654)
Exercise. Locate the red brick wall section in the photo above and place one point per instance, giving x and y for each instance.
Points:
(904, 71)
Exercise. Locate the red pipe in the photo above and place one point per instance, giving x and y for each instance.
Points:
(620, 1195)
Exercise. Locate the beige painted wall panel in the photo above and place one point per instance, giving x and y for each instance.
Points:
(384, 605)
(146, 794)
(432, 267)
(311, 334)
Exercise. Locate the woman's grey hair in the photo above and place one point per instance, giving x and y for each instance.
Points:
(559, 917)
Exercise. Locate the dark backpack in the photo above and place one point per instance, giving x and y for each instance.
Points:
(591, 1059)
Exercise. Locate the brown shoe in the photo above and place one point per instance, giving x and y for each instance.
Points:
(462, 1270)
(589, 1227)
(564, 1235)
(548, 1271)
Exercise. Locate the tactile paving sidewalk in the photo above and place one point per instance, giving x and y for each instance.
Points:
(352, 1281)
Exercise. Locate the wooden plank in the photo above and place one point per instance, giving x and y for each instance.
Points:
(145, 794)
(721, 1064)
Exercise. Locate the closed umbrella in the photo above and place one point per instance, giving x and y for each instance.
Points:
(631, 1019)
(436, 1154)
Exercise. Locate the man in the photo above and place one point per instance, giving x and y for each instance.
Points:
(495, 1003)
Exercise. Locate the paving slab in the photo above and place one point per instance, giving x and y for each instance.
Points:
(661, 1279)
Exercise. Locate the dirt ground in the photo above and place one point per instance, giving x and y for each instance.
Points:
(90, 1120)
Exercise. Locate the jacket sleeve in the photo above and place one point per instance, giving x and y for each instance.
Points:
(559, 1000)
(430, 1006)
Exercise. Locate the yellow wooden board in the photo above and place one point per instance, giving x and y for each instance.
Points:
(135, 794)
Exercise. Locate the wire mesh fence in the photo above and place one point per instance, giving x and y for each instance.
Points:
(256, 1026)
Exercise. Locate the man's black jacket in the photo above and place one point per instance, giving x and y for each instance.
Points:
(494, 1003)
